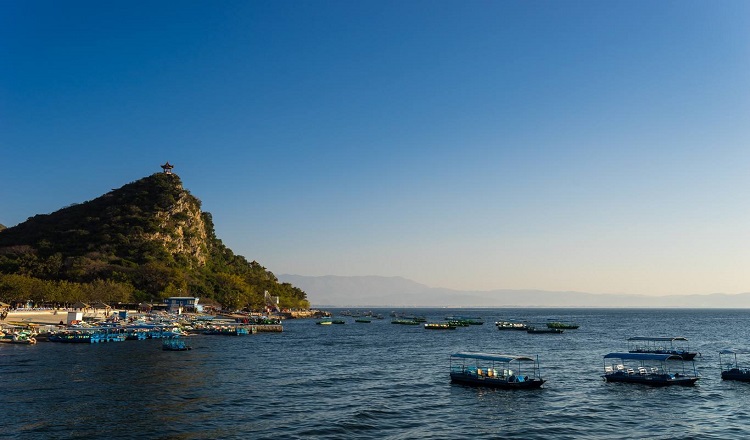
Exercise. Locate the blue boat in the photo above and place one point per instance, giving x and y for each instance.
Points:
(495, 370)
(661, 345)
(648, 369)
(173, 342)
(732, 370)
(88, 335)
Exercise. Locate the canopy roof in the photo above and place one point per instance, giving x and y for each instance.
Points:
(642, 356)
(491, 356)
(735, 351)
(648, 338)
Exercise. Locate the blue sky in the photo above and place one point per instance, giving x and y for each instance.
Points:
(558, 145)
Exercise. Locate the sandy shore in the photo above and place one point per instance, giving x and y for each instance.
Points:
(45, 317)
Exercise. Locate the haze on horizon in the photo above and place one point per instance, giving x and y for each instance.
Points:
(569, 146)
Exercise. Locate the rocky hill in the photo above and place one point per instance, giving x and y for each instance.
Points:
(149, 238)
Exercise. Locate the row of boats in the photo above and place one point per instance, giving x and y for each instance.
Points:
(451, 322)
(649, 361)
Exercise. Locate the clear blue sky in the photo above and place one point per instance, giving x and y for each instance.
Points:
(599, 146)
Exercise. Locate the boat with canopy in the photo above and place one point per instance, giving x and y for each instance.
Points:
(732, 370)
(495, 370)
(661, 345)
(648, 368)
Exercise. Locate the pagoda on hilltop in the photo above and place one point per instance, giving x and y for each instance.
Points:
(167, 167)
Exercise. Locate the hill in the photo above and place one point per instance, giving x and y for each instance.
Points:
(374, 291)
(146, 240)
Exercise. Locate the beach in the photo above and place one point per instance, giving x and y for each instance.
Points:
(48, 317)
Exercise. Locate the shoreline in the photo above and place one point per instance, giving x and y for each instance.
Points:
(47, 317)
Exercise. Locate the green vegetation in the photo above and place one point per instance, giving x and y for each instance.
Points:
(143, 242)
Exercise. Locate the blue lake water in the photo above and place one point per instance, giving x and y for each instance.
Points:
(376, 380)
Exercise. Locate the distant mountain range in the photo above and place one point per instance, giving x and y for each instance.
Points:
(378, 291)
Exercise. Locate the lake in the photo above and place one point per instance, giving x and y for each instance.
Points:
(376, 380)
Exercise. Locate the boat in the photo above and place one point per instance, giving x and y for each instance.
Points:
(89, 335)
(338, 321)
(469, 321)
(648, 344)
(324, 322)
(22, 338)
(439, 326)
(732, 370)
(562, 325)
(174, 343)
(404, 322)
(647, 368)
(511, 325)
(495, 370)
(415, 318)
(543, 330)
(226, 330)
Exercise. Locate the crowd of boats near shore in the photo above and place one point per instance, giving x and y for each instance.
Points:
(124, 326)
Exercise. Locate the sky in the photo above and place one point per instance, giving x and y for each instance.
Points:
(596, 146)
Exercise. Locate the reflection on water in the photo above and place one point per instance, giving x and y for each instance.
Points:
(374, 380)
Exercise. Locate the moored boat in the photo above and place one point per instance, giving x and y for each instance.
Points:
(562, 325)
(404, 322)
(511, 325)
(439, 326)
(22, 338)
(495, 370)
(661, 345)
(90, 335)
(227, 330)
(647, 368)
(732, 370)
(174, 343)
(466, 320)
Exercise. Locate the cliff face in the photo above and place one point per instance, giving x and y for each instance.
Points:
(181, 229)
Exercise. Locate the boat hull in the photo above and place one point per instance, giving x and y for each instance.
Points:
(655, 380)
(735, 374)
(473, 380)
(685, 355)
